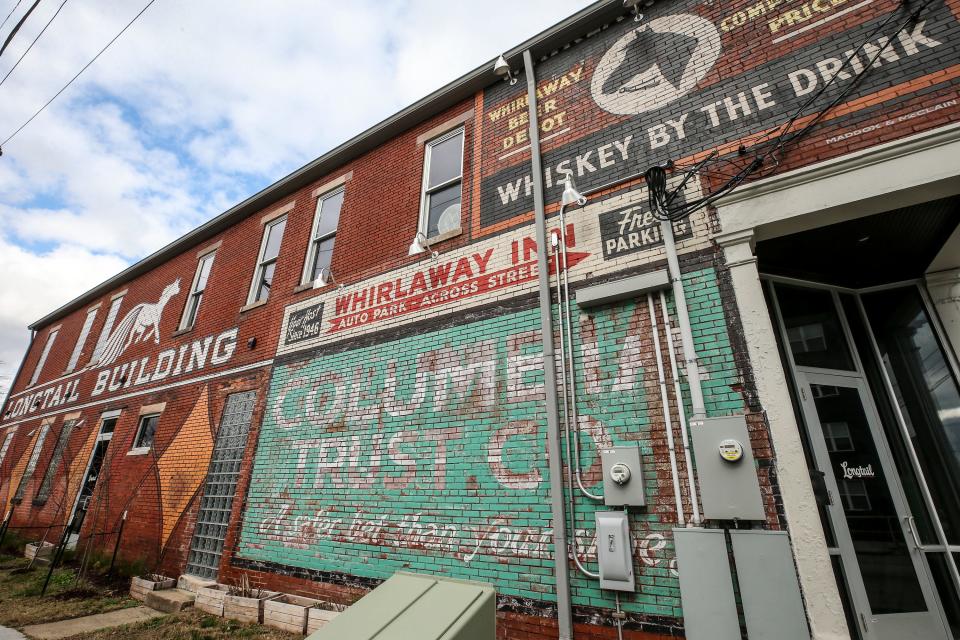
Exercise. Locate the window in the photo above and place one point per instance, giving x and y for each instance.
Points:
(196, 291)
(442, 174)
(32, 464)
(146, 430)
(267, 262)
(107, 327)
(837, 435)
(324, 234)
(82, 339)
(43, 356)
(6, 444)
(43, 493)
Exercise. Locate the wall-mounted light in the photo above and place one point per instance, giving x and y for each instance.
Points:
(252, 343)
(420, 244)
(635, 5)
(325, 277)
(570, 193)
(502, 68)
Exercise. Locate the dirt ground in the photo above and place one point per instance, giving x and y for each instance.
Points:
(21, 603)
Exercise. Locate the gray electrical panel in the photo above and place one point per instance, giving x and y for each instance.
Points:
(613, 551)
(622, 477)
(772, 605)
(729, 487)
(706, 588)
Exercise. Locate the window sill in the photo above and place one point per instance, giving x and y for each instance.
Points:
(300, 288)
(180, 332)
(253, 305)
(39, 502)
(138, 451)
(446, 235)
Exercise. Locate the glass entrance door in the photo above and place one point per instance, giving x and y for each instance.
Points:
(89, 483)
(875, 534)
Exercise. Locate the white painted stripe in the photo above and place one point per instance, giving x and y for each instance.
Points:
(813, 25)
(172, 385)
(544, 139)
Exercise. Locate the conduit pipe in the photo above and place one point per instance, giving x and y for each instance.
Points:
(665, 402)
(558, 511)
(683, 319)
(574, 552)
(681, 410)
(570, 196)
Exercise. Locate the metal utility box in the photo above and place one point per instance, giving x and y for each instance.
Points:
(613, 551)
(706, 586)
(729, 487)
(410, 605)
(622, 477)
(769, 590)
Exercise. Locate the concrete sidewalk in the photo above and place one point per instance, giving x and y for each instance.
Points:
(11, 634)
(66, 628)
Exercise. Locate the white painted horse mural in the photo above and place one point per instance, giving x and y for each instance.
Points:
(140, 323)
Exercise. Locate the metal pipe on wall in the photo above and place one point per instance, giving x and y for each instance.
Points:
(681, 411)
(558, 511)
(665, 403)
(683, 319)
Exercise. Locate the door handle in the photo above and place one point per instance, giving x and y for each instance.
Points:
(912, 526)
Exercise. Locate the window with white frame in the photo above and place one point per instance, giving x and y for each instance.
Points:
(146, 431)
(324, 235)
(107, 327)
(267, 261)
(6, 444)
(43, 355)
(442, 182)
(196, 291)
(82, 339)
(32, 463)
(43, 492)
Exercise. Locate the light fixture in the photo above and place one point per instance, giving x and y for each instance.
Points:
(570, 193)
(420, 244)
(635, 5)
(326, 275)
(252, 343)
(502, 69)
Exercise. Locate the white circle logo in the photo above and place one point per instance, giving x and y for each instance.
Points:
(655, 64)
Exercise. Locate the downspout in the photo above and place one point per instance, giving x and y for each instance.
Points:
(564, 617)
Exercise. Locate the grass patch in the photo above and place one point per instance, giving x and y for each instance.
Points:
(21, 603)
(190, 624)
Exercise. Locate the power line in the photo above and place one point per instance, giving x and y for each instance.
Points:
(17, 26)
(85, 67)
(10, 14)
(24, 54)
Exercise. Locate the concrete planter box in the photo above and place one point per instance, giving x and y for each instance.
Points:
(38, 550)
(140, 586)
(246, 609)
(317, 617)
(288, 613)
(210, 599)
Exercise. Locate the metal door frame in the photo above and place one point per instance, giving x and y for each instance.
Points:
(101, 437)
(857, 378)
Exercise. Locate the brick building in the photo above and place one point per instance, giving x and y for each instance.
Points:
(343, 376)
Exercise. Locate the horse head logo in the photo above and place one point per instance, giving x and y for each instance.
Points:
(141, 323)
(656, 64)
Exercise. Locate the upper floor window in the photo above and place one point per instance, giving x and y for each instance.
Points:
(107, 326)
(324, 235)
(196, 291)
(442, 181)
(146, 431)
(82, 338)
(267, 261)
(43, 355)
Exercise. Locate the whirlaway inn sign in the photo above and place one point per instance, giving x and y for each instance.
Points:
(139, 325)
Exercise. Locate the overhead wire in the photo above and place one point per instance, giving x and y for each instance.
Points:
(2, 24)
(768, 146)
(78, 74)
(24, 54)
(17, 26)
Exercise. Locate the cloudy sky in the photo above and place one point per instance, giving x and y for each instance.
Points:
(198, 105)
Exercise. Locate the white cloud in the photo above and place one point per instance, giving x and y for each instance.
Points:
(196, 107)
